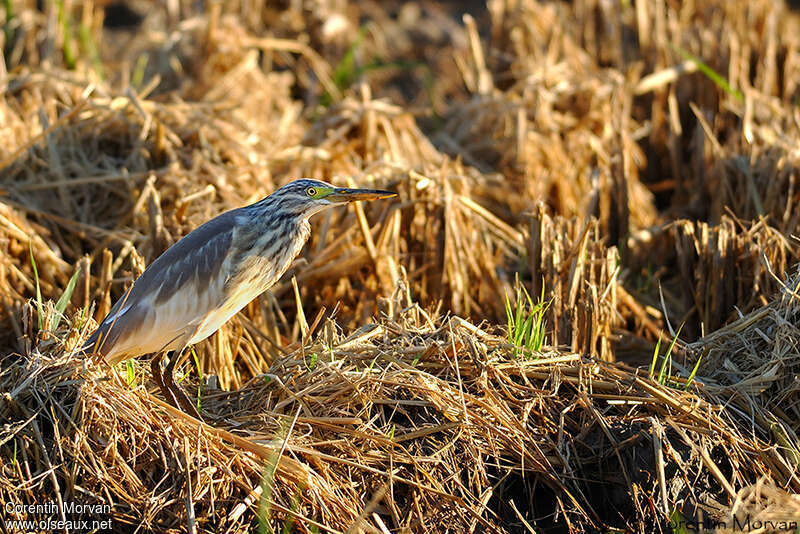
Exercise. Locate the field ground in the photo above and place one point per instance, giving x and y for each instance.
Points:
(631, 166)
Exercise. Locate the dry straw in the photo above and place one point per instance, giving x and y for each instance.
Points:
(636, 160)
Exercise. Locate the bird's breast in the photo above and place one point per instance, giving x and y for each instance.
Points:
(248, 274)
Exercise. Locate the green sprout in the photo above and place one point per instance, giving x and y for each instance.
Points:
(347, 71)
(39, 303)
(130, 373)
(526, 321)
(313, 363)
(70, 58)
(710, 73)
(665, 371)
(63, 300)
(200, 376)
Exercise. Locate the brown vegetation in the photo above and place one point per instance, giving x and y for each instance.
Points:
(635, 161)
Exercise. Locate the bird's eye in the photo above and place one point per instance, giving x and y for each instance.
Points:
(311, 192)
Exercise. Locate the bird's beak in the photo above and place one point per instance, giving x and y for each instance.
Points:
(342, 195)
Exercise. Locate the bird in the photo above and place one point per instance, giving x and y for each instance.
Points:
(210, 274)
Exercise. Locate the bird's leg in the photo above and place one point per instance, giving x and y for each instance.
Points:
(175, 390)
(158, 378)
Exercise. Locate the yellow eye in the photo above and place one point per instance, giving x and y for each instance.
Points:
(311, 192)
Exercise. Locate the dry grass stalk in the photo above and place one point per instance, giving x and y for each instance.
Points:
(757, 357)
(720, 272)
(431, 410)
(578, 273)
(116, 142)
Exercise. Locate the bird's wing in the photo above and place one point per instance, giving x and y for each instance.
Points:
(172, 295)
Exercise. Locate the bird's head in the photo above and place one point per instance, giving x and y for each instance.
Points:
(306, 197)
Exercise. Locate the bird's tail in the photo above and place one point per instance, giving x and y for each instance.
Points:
(97, 343)
(91, 341)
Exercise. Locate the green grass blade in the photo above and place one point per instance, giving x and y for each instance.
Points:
(679, 522)
(669, 372)
(527, 331)
(81, 318)
(345, 72)
(527, 297)
(184, 375)
(200, 381)
(130, 373)
(526, 321)
(70, 59)
(510, 316)
(7, 29)
(655, 357)
(197, 363)
(89, 45)
(694, 369)
(674, 340)
(520, 318)
(710, 73)
(314, 358)
(539, 329)
(662, 372)
(39, 306)
(137, 78)
(694, 372)
(63, 300)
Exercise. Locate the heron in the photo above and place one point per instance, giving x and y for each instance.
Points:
(201, 281)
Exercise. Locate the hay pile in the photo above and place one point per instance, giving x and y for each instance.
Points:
(757, 357)
(620, 158)
(414, 422)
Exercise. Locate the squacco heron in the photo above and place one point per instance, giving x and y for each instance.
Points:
(201, 281)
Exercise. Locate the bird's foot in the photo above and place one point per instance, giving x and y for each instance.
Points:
(172, 392)
(179, 396)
